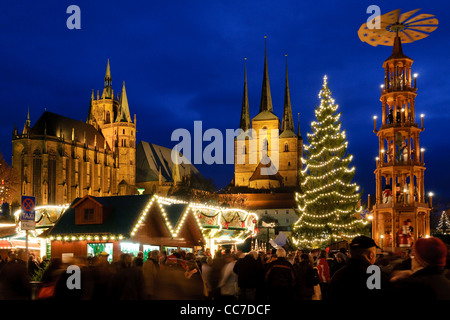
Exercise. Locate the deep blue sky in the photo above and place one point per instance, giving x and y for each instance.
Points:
(184, 61)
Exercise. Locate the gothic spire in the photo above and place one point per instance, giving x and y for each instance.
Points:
(299, 135)
(288, 121)
(107, 91)
(266, 97)
(123, 114)
(245, 113)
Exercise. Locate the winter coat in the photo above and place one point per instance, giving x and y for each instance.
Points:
(350, 282)
(280, 279)
(306, 278)
(250, 272)
(228, 283)
(149, 271)
(425, 284)
(324, 270)
(15, 281)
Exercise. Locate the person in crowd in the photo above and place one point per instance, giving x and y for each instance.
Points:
(2, 262)
(103, 272)
(425, 280)
(291, 258)
(250, 272)
(170, 282)
(306, 278)
(215, 274)
(163, 258)
(83, 286)
(127, 283)
(15, 279)
(33, 265)
(344, 252)
(338, 262)
(193, 285)
(280, 278)
(44, 262)
(53, 271)
(406, 261)
(138, 261)
(229, 282)
(150, 270)
(350, 281)
(324, 272)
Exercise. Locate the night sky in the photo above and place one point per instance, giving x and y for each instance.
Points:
(183, 61)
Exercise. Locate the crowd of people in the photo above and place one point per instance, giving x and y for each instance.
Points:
(420, 272)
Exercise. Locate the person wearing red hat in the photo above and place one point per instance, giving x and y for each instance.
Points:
(426, 279)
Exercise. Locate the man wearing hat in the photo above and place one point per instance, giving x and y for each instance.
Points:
(425, 280)
(350, 281)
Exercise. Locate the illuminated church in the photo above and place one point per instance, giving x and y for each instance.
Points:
(59, 159)
(262, 150)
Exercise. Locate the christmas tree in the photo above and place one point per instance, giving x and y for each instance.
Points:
(444, 223)
(328, 204)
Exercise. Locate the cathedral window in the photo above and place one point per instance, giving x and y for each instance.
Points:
(286, 147)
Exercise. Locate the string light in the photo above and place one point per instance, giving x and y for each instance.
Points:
(233, 224)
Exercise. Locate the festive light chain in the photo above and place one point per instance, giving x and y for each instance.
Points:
(331, 224)
(326, 163)
(344, 145)
(339, 135)
(335, 212)
(87, 237)
(326, 105)
(333, 117)
(337, 181)
(250, 220)
(327, 174)
(317, 127)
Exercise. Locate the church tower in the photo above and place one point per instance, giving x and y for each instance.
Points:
(400, 208)
(270, 156)
(111, 116)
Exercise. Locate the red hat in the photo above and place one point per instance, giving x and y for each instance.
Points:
(430, 252)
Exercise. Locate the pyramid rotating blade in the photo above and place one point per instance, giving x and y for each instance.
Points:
(419, 17)
(406, 15)
(433, 22)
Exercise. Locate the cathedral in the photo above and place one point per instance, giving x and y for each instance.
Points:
(282, 150)
(59, 159)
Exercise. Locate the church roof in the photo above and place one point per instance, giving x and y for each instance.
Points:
(288, 134)
(55, 125)
(258, 175)
(150, 158)
(265, 115)
(125, 210)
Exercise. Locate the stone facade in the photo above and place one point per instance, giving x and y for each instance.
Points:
(261, 150)
(59, 159)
